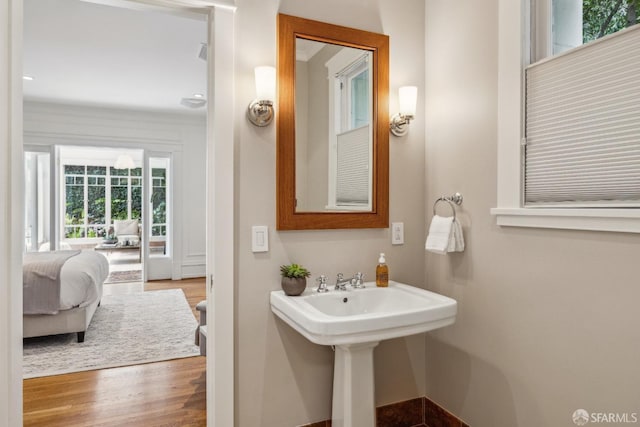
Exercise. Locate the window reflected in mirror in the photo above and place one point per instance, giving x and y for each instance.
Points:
(334, 132)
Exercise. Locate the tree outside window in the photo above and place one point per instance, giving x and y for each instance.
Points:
(602, 17)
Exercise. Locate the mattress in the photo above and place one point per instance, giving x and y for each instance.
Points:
(81, 279)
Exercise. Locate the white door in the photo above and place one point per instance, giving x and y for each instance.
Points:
(158, 231)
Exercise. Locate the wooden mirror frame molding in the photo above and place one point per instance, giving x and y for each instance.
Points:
(290, 27)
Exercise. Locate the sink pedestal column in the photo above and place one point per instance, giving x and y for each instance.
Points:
(353, 386)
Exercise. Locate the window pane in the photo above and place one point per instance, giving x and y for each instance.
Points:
(74, 208)
(136, 172)
(118, 172)
(118, 202)
(96, 170)
(79, 180)
(602, 17)
(576, 22)
(96, 214)
(74, 232)
(136, 202)
(76, 170)
(360, 100)
(159, 230)
(91, 180)
(97, 231)
(159, 202)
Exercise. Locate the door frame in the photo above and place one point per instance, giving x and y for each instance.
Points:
(219, 189)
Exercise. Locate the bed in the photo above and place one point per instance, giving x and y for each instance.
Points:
(81, 276)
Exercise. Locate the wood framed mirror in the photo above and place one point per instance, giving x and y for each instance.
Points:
(332, 159)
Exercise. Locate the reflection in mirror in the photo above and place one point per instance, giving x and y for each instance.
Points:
(332, 145)
(333, 127)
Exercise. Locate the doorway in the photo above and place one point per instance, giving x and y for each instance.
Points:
(220, 162)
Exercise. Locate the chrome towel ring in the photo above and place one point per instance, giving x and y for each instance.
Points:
(456, 198)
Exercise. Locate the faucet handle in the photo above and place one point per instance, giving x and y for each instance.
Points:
(358, 279)
(339, 276)
(322, 283)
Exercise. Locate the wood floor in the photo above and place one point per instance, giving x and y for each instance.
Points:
(171, 393)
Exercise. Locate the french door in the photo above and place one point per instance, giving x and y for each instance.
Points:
(158, 230)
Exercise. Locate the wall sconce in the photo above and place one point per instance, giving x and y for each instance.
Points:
(260, 111)
(408, 95)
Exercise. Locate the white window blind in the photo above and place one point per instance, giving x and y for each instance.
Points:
(583, 125)
(352, 183)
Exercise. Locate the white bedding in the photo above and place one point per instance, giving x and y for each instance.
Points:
(81, 279)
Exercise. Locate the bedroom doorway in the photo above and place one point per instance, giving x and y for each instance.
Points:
(220, 206)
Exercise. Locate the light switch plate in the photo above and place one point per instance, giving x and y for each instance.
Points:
(397, 233)
(260, 238)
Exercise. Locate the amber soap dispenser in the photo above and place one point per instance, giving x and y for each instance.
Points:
(382, 273)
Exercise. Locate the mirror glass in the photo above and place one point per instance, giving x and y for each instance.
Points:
(333, 127)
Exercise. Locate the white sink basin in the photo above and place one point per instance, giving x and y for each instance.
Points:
(364, 315)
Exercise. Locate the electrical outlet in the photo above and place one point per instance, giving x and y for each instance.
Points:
(397, 233)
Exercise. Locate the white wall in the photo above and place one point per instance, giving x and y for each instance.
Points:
(283, 379)
(547, 319)
(46, 124)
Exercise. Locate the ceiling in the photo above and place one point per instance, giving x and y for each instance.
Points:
(93, 54)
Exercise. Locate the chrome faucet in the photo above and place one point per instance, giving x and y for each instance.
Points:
(357, 281)
(341, 282)
(322, 284)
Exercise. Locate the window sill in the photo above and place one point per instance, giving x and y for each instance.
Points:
(616, 220)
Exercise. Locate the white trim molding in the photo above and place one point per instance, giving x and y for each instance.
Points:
(513, 56)
(11, 213)
(220, 217)
(603, 219)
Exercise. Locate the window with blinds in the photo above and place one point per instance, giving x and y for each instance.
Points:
(353, 172)
(583, 125)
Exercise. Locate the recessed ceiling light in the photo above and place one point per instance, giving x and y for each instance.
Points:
(28, 78)
(198, 95)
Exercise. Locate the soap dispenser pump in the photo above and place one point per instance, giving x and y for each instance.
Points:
(382, 272)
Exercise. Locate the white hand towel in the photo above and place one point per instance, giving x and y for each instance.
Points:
(440, 232)
(456, 240)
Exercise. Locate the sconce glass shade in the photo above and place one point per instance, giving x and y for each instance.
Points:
(124, 161)
(265, 83)
(408, 96)
(260, 111)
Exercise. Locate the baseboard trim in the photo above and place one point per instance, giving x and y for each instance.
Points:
(190, 271)
(418, 412)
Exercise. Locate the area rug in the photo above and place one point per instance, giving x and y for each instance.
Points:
(124, 276)
(125, 330)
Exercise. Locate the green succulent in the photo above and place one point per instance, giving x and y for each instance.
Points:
(294, 271)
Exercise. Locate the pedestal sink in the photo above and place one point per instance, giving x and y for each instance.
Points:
(355, 321)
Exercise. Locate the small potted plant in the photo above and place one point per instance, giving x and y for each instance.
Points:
(294, 279)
